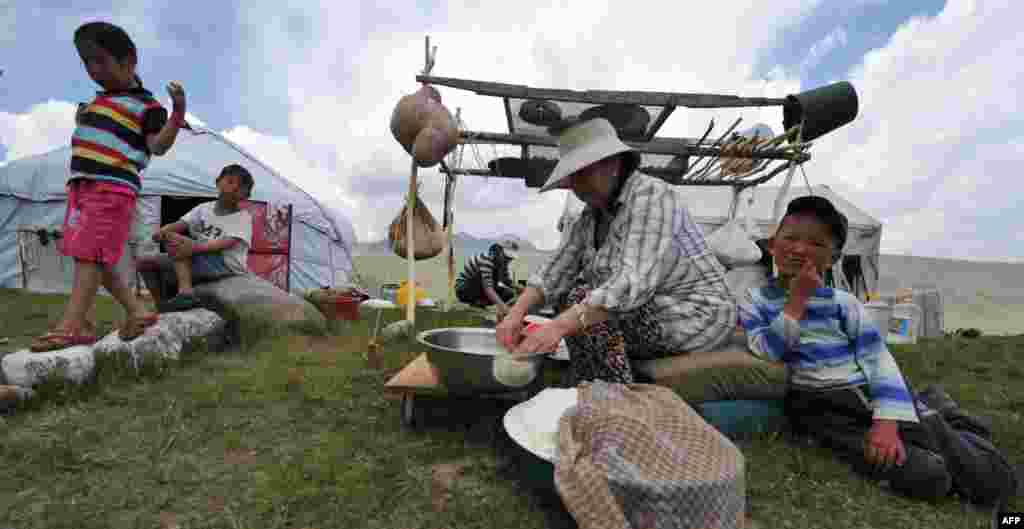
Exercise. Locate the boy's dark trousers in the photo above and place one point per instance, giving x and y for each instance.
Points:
(939, 457)
(473, 294)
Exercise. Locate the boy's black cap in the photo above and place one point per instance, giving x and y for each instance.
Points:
(827, 213)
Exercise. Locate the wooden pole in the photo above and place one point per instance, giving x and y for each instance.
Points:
(451, 217)
(410, 247)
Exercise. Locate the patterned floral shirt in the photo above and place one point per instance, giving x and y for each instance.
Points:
(654, 254)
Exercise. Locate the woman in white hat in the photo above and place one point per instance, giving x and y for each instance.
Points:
(633, 277)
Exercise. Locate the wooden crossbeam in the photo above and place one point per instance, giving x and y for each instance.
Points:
(665, 146)
(603, 97)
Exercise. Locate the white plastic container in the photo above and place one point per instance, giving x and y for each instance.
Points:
(929, 299)
(881, 313)
(905, 326)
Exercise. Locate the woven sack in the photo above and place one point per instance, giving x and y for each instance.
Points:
(638, 456)
(428, 235)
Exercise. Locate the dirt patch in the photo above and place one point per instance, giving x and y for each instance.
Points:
(216, 504)
(168, 520)
(296, 376)
(340, 344)
(300, 342)
(240, 456)
(443, 478)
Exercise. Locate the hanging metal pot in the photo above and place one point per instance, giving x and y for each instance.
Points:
(540, 112)
(629, 120)
(825, 109)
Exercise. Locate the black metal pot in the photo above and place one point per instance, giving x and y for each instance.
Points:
(825, 109)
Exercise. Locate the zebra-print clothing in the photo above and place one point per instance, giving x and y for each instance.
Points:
(482, 271)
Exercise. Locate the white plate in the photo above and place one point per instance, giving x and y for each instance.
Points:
(533, 424)
(563, 351)
(377, 303)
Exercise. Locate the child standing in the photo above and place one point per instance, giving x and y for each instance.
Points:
(210, 242)
(845, 388)
(115, 137)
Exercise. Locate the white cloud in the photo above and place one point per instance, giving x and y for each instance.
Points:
(835, 39)
(924, 154)
(343, 91)
(44, 127)
(913, 157)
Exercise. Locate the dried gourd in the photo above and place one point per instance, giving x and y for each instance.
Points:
(424, 127)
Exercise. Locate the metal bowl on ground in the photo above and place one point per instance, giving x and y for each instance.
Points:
(470, 361)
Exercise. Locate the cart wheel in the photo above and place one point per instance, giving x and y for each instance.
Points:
(409, 419)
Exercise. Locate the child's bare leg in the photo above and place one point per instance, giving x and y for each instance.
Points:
(183, 269)
(115, 284)
(83, 297)
(151, 275)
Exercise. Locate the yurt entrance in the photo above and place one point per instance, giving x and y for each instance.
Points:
(172, 208)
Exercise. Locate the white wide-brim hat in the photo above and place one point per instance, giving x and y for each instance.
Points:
(583, 144)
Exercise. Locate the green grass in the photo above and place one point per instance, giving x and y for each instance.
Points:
(294, 432)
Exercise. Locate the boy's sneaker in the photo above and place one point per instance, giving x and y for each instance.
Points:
(180, 303)
(936, 398)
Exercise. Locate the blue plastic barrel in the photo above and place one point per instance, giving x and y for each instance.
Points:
(743, 418)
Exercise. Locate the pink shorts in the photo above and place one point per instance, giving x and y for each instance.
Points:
(98, 221)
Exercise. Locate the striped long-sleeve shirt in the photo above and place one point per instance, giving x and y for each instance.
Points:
(482, 271)
(834, 346)
(109, 142)
(654, 253)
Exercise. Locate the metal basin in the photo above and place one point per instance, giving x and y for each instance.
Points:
(470, 360)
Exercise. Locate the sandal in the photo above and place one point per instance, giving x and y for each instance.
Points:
(132, 328)
(180, 303)
(55, 340)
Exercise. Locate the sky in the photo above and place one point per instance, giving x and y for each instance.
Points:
(935, 152)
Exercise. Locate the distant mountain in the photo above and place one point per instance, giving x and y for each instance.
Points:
(465, 244)
(959, 281)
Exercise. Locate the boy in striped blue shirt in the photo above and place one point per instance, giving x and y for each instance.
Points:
(845, 388)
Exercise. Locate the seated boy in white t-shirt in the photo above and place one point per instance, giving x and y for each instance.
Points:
(210, 242)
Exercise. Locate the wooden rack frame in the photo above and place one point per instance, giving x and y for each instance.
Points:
(771, 158)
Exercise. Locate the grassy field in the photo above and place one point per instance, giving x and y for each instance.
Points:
(964, 308)
(431, 274)
(294, 432)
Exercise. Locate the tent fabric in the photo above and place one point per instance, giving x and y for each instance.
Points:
(32, 192)
(711, 207)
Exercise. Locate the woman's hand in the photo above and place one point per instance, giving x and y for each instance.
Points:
(502, 310)
(883, 447)
(543, 339)
(510, 330)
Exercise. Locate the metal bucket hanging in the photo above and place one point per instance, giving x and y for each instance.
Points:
(629, 120)
(822, 110)
(534, 170)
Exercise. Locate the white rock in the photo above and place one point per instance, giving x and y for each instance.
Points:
(26, 369)
(164, 340)
(11, 395)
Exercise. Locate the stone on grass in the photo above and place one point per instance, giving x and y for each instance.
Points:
(257, 301)
(27, 369)
(164, 340)
(11, 395)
